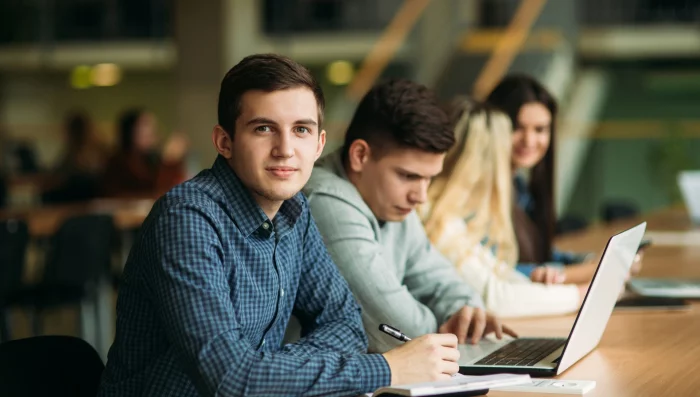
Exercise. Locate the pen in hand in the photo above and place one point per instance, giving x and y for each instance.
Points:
(393, 332)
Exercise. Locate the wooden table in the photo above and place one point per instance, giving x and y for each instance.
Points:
(640, 354)
(44, 221)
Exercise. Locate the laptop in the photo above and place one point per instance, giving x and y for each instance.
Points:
(552, 356)
(666, 287)
(689, 184)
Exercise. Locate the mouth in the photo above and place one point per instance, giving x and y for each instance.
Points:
(404, 211)
(281, 171)
(525, 152)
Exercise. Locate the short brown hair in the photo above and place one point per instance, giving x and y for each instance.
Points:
(400, 113)
(264, 72)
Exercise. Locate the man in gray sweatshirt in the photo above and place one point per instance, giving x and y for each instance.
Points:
(363, 197)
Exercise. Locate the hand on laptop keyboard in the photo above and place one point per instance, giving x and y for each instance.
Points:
(472, 324)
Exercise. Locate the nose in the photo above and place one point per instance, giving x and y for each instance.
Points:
(419, 194)
(530, 138)
(283, 146)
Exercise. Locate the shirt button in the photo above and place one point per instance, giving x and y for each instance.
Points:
(282, 292)
(263, 343)
(266, 225)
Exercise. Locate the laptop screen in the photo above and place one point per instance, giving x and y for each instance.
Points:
(689, 183)
(607, 284)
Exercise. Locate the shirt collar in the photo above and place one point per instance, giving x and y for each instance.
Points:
(247, 214)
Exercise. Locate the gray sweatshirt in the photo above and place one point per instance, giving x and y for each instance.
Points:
(396, 275)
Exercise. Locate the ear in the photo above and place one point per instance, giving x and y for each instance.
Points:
(321, 143)
(222, 142)
(358, 155)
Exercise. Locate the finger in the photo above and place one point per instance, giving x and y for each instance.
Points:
(443, 376)
(497, 327)
(561, 277)
(508, 330)
(479, 325)
(444, 328)
(536, 275)
(449, 368)
(449, 354)
(555, 276)
(447, 340)
(546, 274)
(551, 276)
(463, 322)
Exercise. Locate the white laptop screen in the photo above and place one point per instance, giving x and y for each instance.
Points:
(689, 183)
(607, 284)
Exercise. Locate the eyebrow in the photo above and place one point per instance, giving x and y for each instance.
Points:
(265, 120)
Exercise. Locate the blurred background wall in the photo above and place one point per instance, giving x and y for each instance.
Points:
(626, 73)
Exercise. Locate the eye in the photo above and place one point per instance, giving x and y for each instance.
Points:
(409, 177)
(263, 128)
(303, 130)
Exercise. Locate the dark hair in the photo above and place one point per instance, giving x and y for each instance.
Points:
(127, 126)
(265, 72)
(401, 113)
(510, 95)
(76, 127)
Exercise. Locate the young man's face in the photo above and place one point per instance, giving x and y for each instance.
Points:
(276, 142)
(396, 182)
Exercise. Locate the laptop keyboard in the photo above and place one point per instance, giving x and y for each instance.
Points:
(522, 352)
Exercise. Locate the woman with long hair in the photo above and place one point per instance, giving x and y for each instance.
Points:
(533, 113)
(468, 218)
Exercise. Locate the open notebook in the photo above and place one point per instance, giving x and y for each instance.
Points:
(461, 385)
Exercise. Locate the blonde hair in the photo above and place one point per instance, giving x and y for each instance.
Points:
(475, 184)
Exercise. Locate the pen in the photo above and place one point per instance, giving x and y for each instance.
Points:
(391, 331)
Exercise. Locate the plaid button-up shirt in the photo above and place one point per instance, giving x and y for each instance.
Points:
(207, 293)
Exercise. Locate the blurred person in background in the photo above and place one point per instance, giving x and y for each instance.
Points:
(468, 217)
(533, 112)
(22, 159)
(3, 177)
(139, 169)
(77, 174)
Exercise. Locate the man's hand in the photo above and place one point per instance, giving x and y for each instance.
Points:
(547, 275)
(471, 322)
(425, 359)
